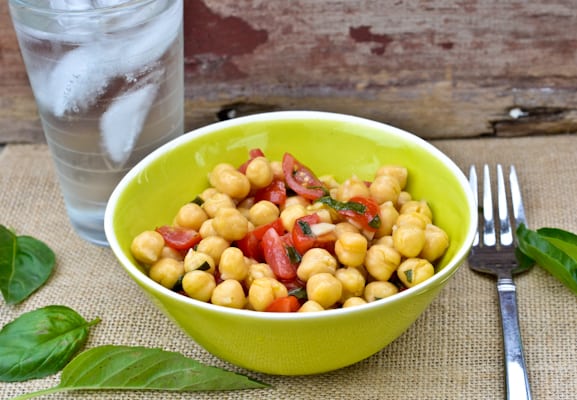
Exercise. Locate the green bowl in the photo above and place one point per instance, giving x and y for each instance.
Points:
(296, 343)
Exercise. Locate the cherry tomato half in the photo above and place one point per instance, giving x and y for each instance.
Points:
(284, 304)
(276, 256)
(301, 179)
(369, 219)
(250, 245)
(275, 193)
(254, 153)
(179, 238)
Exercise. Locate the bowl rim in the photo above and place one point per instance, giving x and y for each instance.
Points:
(300, 115)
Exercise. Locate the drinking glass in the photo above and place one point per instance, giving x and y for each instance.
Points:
(107, 77)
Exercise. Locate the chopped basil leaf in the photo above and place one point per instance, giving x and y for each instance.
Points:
(299, 292)
(409, 275)
(343, 205)
(293, 255)
(375, 222)
(198, 200)
(305, 227)
(205, 266)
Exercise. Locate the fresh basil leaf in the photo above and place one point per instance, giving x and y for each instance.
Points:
(550, 257)
(562, 239)
(41, 342)
(139, 368)
(25, 265)
(343, 205)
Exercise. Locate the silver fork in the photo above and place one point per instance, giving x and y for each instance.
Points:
(493, 252)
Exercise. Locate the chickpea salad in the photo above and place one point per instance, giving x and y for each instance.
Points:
(271, 236)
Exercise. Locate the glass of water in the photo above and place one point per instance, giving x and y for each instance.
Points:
(107, 77)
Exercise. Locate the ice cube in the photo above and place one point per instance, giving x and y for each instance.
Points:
(83, 5)
(82, 73)
(76, 81)
(122, 122)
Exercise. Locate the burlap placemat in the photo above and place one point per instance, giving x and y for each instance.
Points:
(454, 351)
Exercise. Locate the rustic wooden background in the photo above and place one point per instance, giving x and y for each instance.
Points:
(438, 68)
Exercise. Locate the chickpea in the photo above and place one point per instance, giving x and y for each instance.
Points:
(292, 200)
(404, 197)
(385, 188)
(398, 172)
(213, 246)
(196, 260)
(352, 187)
(325, 213)
(263, 212)
(354, 301)
(246, 203)
(229, 293)
(353, 282)
(385, 240)
(208, 193)
(436, 243)
(230, 224)
(351, 249)
(147, 247)
(166, 271)
(259, 173)
(207, 229)
(199, 285)
(263, 291)
(169, 252)
(216, 202)
(420, 207)
(342, 227)
(277, 171)
(311, 306)
(233, 264)
(389, 215)
(325, 289)
(258, 270)
(314, 261)
(329, 181)
(379, 290)
(413, 271)
(382, 261)
(227, 179)
(190, 215)
(290, 214)
(413, 218)
(408, 240)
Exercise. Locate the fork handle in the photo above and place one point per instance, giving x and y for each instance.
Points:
(517, 381)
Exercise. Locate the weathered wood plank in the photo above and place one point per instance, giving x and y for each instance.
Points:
(437, 68)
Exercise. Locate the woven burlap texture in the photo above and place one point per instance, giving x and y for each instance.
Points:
(454, 351)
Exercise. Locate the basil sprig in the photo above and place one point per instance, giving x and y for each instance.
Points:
(140, 368)
(25, 265)
(555, 250)
(41, 342)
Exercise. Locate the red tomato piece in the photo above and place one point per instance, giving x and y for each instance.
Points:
(275, 193)
(284, 304)
(179, 238)
(250, 244)
(369, 219)
(301, 179)
(276, 256)
(302, 237)
(250, 247)
(254, 153)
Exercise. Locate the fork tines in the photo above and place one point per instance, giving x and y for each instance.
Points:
(502, 232)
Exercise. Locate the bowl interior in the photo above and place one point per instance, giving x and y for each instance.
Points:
(153, 191)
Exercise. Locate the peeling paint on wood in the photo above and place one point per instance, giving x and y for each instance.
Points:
(437, 68)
